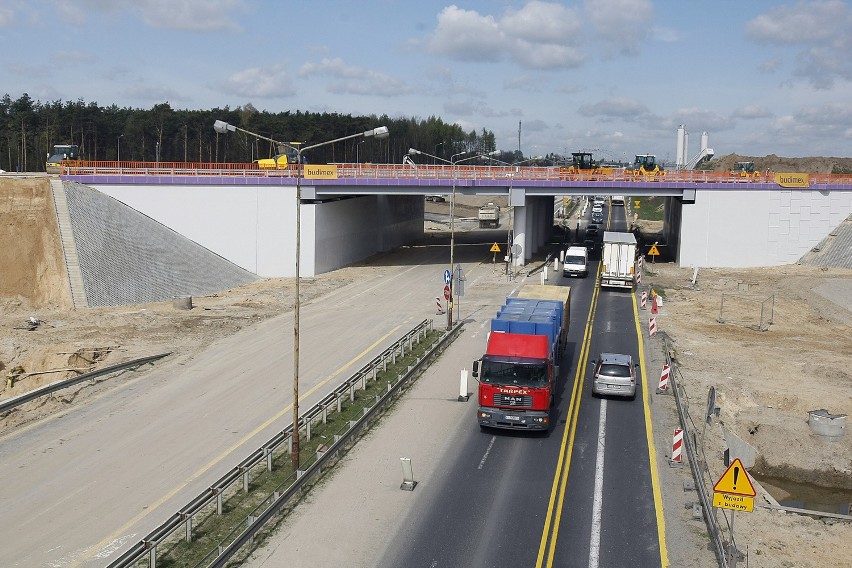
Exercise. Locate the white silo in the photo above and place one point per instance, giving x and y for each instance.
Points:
(680, 158)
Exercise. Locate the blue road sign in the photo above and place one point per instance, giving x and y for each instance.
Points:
(447, 277)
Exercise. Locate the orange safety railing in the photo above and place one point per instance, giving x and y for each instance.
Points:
(441, 171)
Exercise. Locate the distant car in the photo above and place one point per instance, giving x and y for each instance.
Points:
(597, 217)
(614, 374)
(590, 244)
(597, 208)
(592, 230)
(436, 198)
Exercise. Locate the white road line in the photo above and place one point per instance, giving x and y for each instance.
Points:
(488, 451)
(595, 542)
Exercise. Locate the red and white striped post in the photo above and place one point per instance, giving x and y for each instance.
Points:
(677, 447)
(644, 300)
(440, 306)
(664, 379)
(652, 326)
(639, 277)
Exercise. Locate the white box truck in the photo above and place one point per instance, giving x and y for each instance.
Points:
(618, 260)
(576, 262)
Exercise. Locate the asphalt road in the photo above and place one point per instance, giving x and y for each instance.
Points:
(581, 495)
(81, 486)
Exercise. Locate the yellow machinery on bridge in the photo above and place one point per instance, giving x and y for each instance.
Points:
(646, 165)
(582, 162)
(286, 157)
(745, 170)
(61, 152)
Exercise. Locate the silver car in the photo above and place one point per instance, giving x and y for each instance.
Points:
(614, 374)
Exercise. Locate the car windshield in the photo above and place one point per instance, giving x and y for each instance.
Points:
(575, 260)
(515, 374)
(614, 370)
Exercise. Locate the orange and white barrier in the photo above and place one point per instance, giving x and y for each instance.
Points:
(677, 447)
(440, 306)
(652, 326)
(644, 300)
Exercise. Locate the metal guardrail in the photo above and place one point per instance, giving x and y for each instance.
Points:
(12, 403)
(147, 547)
(692, 447)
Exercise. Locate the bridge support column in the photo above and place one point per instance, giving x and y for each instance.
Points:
(520, 222)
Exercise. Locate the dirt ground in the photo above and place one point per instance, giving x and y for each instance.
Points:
(767, 381)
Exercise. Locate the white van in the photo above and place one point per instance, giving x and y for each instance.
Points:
(576, 262)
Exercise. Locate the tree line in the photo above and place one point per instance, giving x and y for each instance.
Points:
(163, 134)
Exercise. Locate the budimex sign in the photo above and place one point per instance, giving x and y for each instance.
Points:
(320, 172)
(792, 180)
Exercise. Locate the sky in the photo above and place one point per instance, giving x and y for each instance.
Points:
(614, 77)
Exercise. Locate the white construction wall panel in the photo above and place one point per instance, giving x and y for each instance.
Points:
(740, 229)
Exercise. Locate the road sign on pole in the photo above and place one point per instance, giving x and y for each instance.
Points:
(447, 292)
(447, 277)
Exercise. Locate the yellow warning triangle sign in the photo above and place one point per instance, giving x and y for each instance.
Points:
(735, 481)
(654, 251)
(495, 248)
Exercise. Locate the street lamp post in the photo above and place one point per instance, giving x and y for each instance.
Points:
(453, 162)
(118, 143)
(378, 133)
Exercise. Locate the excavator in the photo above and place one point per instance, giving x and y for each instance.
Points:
(646, 164)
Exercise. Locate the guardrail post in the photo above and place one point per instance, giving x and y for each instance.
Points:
(351, 392)
(384, 362)
(268, 453)
(324, 414)
(393, 354)
(339, 403)
(152, 554)
(245, 479)
(410, 340)
(363, 382)
(308, 428)
(218, 502)
(375, 372)
(249, 523)
(290, 444)
(188, 527)
(402, 347)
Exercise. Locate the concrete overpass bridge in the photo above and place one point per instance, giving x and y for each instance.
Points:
(350, 211)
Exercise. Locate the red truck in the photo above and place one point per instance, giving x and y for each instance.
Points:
(519, 371)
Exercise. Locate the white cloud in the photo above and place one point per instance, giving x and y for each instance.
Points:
(355, 80)
(542, 35)
(616, 107)
(7, 17)
(622, 24)
(192, 15)
(261, 82)
(821, 29)
(752, 112)
(817, 124)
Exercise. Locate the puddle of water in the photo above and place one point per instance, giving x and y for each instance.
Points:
(807, 496)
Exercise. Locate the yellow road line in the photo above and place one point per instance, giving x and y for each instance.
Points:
(159, 502)
(652, 453)
(560, 476)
